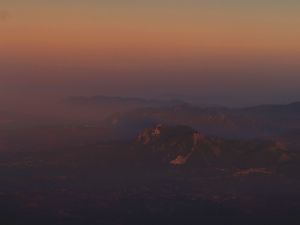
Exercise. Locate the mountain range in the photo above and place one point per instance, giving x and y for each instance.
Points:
(251, 122)
(182, 145)
(99, 100)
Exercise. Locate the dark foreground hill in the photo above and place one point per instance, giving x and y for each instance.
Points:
(166, 175)
(182, 145)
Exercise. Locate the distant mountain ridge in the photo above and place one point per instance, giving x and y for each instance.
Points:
(293, 107)
(259, 121)
(102, 99)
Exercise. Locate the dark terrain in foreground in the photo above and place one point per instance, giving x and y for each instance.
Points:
(165, 174)
(146, 181)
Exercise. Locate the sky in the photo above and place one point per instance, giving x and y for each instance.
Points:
(233, 52)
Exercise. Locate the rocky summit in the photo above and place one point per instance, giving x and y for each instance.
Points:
(182, 145)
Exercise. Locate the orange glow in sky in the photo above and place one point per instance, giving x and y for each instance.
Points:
(126, 36)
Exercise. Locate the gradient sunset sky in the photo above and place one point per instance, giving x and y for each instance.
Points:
(230, 52)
